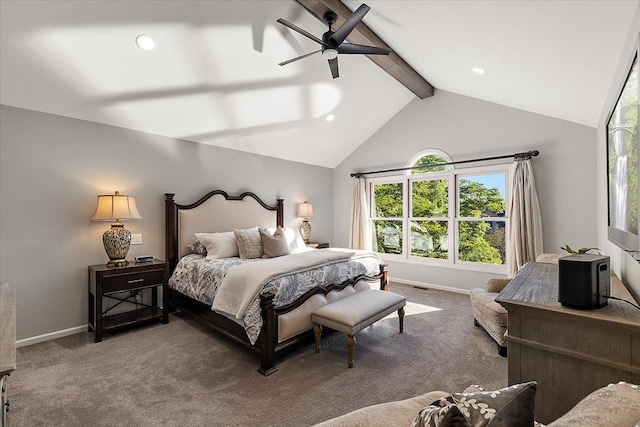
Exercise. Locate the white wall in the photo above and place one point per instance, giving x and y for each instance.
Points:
(622, 263)
(468, 128)
(51, 170)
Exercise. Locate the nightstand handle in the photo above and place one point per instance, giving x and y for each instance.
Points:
(136, 281)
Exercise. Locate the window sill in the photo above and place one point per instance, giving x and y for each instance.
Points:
(461, 265)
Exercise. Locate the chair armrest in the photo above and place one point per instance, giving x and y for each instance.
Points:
(496, 284)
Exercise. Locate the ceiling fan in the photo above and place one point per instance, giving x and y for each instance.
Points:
(333, 42)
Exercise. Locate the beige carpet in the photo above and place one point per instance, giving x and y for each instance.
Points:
(183, 374)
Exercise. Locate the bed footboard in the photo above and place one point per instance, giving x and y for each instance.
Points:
(288, 327)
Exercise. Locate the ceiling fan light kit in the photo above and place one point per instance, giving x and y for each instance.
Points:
(329, 53)
(333, 42)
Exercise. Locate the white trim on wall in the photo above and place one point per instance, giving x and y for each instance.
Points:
(430, 286)
(51, 336)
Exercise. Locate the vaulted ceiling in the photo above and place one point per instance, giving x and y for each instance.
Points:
(213, 77)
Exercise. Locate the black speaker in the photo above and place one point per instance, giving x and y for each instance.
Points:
(583, 281)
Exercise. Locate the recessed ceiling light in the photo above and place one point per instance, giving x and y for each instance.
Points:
(478, 70)
(145, 42)
(330, 117)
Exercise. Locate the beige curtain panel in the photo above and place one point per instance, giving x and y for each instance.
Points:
(525, 221)
(360, 233)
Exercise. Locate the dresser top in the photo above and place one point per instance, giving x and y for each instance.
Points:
(7, 328)
(536, 285)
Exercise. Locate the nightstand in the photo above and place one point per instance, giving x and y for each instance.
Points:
(130, 280)
(318, 245)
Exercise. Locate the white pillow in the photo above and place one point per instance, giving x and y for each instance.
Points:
(294, 240)
(219, 245)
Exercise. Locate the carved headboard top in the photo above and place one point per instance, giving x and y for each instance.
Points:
(213, 213)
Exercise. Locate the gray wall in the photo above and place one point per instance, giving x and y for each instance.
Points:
(467, 128)
(51, 170)
(622, 263)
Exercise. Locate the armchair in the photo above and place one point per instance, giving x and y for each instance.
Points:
(491, 316)
(488, 314)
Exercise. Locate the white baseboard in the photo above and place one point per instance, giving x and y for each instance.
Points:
(430, 286)
(51, 335)
(83, 328)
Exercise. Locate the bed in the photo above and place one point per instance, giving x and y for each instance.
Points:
(283, 323)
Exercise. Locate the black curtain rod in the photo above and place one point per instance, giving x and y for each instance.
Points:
(517, 156)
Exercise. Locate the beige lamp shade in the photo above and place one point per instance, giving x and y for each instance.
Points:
(305, 210)
(117, 239)
(114, 207)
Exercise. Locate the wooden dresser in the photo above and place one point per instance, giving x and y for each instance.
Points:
(7, 343)
(569, 352)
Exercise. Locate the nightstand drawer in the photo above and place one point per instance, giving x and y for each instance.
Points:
(131, 281)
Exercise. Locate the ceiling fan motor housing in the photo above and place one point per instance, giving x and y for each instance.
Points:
(330, 49)
(329, 18)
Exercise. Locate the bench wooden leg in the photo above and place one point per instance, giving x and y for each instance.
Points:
(317, 330)
(351, 344)
(401, 318)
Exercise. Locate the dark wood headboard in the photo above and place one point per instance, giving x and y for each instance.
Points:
(215, 214)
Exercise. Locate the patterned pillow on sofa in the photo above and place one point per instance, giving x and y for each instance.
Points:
(506, 407)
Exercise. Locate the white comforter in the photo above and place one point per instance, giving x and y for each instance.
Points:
(243, 283)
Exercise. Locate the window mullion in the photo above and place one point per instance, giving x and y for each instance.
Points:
(406, 241)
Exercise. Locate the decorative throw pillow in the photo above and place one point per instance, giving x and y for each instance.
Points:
(197, 247)
(294, 240)
(249, 243)
(273, 245)
(506, 407)
(219, 245)
(434, 416)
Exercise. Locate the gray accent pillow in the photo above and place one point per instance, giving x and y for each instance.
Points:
(249, 243)
(507, 407)
(273, 245)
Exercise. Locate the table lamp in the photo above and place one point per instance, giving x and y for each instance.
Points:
(305, 210)
(116, 239)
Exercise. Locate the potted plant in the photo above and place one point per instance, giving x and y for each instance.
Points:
(570, 251)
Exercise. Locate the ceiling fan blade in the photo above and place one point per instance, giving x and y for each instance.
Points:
(299, 57)
(333, 64)
(341, 33)
(300, 30)
(351, 48)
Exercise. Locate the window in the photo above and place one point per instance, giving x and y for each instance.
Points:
(388, 209)
(440, 215)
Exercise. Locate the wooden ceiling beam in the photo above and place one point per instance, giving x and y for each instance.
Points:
(393, 64)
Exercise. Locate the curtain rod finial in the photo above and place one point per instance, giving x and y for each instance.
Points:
(534, 153)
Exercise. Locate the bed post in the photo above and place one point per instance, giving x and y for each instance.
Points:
(267, 353)
(280, 213)
(171, 240)
(384, 277)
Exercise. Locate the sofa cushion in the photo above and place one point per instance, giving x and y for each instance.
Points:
(613, 405)
(391, 414)
(506, 407)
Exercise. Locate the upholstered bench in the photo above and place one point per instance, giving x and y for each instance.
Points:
(354, 313)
